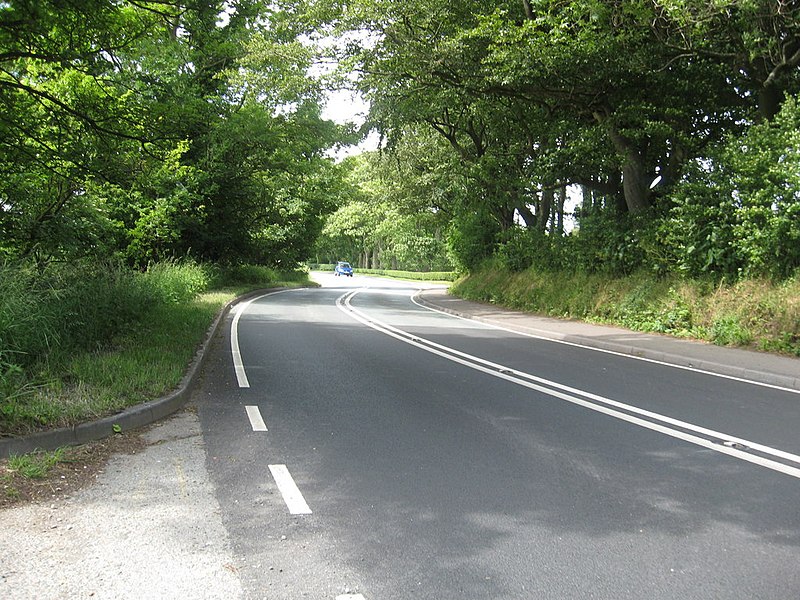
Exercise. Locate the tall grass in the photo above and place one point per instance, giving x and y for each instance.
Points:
(53, 311)
(85, 339)
(757, 313)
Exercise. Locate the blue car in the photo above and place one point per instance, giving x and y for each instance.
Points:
(343, 268)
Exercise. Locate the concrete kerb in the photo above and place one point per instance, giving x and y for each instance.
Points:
(749, 374)
(130, 418)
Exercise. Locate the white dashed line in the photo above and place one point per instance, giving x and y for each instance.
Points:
(289, 490)
(256, 422)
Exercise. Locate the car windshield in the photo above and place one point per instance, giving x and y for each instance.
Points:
(344, 265)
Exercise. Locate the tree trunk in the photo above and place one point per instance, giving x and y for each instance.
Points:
(635, 183)
(769, 101)
(546, 208)
(526, 214)
(558, 213)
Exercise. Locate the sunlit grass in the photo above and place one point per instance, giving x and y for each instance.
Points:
(36, 465)
(760, 314)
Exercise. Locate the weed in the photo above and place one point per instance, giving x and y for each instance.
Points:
(35, 465)
(81, 341)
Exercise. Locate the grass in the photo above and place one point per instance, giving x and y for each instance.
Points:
(36, 465)
(758, 314)
(432, 276)
(143, 357)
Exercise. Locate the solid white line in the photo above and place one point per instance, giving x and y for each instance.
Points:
(236, 355)
(604, 350)
(513, 376)
(256, 422)
(590, 396)
(289, 490)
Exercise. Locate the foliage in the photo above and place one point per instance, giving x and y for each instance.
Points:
(630, 100)
(752, 312)
(739, 214)
(471, 239)
(160, 130)
(82, 340)
(52, 311)
(413, 275)
(379, 226)
(523, 249)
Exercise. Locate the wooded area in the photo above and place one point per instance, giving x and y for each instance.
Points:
(678, 120)
(158, 129)
(145, 130)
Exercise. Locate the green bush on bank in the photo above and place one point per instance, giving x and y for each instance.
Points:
(757, 313)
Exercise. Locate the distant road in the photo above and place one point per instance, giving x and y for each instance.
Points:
(364, 447)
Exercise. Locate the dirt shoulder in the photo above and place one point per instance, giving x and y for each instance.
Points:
(77, 467)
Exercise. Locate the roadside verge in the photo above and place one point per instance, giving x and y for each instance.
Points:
(130, 418)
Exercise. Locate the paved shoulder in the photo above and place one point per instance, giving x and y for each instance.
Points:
(150, 527)
(734, 362)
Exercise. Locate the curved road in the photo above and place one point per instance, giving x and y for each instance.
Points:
(365, 447)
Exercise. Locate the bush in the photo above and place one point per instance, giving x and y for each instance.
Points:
(231, 276)
(611, 242)
(738, 213)
(471, 239)
(49, 311)
(175, 282)
(525, 248)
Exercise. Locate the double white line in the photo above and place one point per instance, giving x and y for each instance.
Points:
(746, 450)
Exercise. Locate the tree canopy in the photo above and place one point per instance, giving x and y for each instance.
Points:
(160, 128)
(635, 101)
(596, 134)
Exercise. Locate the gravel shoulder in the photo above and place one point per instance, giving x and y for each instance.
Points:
(147, 526)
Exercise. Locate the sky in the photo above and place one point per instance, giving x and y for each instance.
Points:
(345, 106)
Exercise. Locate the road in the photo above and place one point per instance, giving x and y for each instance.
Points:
(362, 446)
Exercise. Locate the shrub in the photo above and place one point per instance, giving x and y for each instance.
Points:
(525, 248)
(471, 239)
(737, 214)
(175, 282)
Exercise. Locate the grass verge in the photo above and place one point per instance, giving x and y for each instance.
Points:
(758, 314)
(143, 360)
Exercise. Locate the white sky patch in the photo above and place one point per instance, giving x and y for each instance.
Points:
(344, 105)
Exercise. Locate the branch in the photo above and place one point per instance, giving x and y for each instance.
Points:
(783, 66)
(92, 123)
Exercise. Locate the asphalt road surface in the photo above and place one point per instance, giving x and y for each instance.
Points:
(364, 447)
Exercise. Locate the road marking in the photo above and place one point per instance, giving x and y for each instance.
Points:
(236, 355)
(289, 490)
(350, 597)
(603, 350)
(256, 422)
(714, 440)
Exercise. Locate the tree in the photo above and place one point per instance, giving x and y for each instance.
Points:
(382, 225)
(160, 129)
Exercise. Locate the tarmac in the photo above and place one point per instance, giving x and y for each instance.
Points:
(768, 369)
